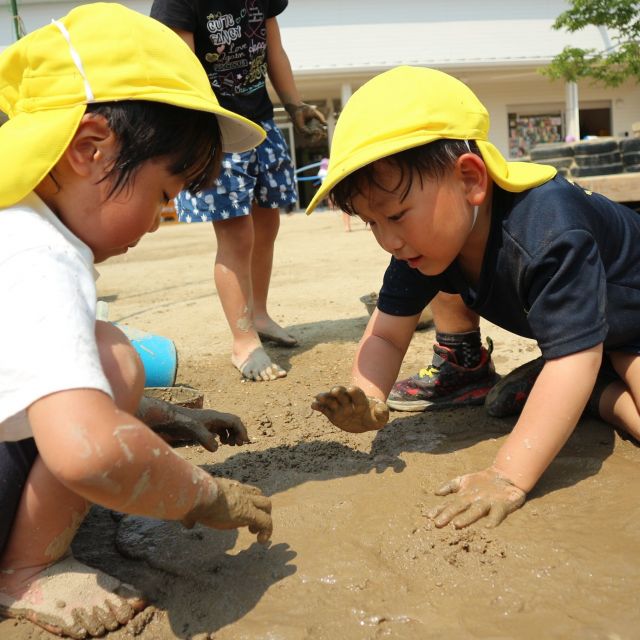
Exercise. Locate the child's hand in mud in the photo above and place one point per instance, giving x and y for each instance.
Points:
(176, 423)
(485, 493)
(227, 426)
(351, 410)
(228, 504)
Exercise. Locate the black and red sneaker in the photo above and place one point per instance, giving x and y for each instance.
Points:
(445, 384)
(507, 398)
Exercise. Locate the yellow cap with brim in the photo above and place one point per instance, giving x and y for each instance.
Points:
(99, 52)
(408, 107)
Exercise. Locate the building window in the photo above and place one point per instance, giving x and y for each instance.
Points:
(526, 131)
(532, 124)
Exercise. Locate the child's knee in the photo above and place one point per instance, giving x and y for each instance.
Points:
(235, 236)
(121, 364)
(451, 315)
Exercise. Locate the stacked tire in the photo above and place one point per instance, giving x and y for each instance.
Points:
(630, 152)
(598, 157)
(557, 154)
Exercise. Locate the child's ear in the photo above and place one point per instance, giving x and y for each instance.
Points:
(473, 173)
(93, 149)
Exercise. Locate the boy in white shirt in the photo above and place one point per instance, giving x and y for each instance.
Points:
(99, 138)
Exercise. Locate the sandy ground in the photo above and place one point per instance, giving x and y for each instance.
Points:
(353, 555)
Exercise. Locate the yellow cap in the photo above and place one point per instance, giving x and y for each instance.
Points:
(408, 107)
(97, 53)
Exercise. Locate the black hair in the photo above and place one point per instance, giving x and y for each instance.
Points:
(191, 140)
(432, 160)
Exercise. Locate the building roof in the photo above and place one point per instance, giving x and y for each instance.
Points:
(333, 37)
(465, 33)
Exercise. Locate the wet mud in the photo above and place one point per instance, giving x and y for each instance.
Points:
(353, 555)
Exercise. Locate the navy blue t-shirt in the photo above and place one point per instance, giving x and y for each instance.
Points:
(561, 266)
(231, 43)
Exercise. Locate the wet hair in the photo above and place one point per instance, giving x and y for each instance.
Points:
(191, 141)
(433, 160)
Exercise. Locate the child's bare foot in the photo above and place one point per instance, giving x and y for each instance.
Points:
(69, 599)
(269, 331)
(258, 366)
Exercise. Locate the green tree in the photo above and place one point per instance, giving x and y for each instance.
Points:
(610, 66)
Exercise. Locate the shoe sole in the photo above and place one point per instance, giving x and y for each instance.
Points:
(469, 398)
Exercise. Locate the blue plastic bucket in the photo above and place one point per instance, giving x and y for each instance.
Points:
(158, 354)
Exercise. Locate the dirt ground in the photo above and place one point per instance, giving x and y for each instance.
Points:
(353, 556)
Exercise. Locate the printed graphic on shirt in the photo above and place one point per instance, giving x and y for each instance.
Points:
(238, 50)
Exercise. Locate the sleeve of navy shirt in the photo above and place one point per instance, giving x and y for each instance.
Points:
(566, 293)
(405, 291)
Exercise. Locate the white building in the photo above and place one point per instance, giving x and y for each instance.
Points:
(495, 46)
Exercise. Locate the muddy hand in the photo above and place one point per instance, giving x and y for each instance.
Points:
(477, 495)
(351, 410)
(308, 120)
(227, 426)
(227, 504)
(200, 425)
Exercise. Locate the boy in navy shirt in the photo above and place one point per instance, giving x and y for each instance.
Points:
(526, 249)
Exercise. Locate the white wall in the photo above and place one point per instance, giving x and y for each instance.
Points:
(328, 12)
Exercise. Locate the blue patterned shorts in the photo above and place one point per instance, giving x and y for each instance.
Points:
(264, 175)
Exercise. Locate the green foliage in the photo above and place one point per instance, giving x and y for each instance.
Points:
(610, 67)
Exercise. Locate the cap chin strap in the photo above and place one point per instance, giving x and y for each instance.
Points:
(476, 208)
(75, 56)
(475, 216)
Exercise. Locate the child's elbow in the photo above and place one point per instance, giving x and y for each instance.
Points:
(91, 468)
(83, 476)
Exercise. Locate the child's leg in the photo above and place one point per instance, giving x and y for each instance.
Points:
(16, 460)
(233, 278)
(37, 581)
(275, 188)
(228, 206)
(451, 315)
(461, 372)
(619, 402)
(266, 223)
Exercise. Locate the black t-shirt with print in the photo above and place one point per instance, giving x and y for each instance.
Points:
(562, 266)
(231, 43)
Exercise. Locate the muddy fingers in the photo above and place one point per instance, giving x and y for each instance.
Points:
(352, 410)
(476, 495)
(227, 504)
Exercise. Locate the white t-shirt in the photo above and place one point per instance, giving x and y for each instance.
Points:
(47, 313)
